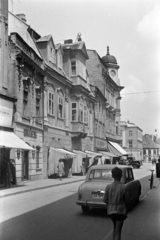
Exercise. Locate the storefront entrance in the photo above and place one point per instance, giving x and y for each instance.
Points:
(25, 163)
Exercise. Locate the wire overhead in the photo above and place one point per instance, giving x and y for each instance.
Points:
(139, 92)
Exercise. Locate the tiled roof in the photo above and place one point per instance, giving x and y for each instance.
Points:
(149, 143)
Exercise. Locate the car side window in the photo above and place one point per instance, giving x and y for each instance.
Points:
(129, 175)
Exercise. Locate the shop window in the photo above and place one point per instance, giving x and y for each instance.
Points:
(73, 67)
(60, 107)
(74, 112)
(51, 103)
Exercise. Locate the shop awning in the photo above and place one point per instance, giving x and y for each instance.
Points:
(109, 154)
(94, 154)
(67, 154)
(119, 150)
(11, 140)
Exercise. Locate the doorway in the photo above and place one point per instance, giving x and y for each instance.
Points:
(25, 165)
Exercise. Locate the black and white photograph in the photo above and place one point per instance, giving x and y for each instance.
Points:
(80, 119)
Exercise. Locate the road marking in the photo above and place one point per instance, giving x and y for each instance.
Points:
(108, 235)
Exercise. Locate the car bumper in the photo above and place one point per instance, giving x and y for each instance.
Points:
(91, 204)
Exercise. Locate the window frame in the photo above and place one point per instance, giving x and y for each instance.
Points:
(73, 67)
(76, 112)
(51, 103)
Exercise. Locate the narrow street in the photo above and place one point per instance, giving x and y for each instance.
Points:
(53, 214)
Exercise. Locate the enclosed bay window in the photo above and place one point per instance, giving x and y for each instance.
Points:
(74, 111)
(51, 103)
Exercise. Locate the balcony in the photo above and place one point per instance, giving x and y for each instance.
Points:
(79, 129)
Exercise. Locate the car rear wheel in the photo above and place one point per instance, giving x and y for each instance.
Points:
(85, 209)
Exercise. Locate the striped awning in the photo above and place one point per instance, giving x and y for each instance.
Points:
(116, 149)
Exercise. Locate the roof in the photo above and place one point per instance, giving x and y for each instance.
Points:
(109, 58)
(149, 143)
(76, 46)
(44, 38)
(16, 25)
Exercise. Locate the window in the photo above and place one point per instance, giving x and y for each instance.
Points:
(90, 123)
(25, 103)
(85, 114)
(74, 112)
(50, 103)
(37, 104)
(81, 112)
(154, 151)
(96, 129)
(116, 128)
(37, 156)
(66, 114)
(149, 152)
(130, 144)
(60, 108)
(73, 67)
(130, 133)
(144, 151)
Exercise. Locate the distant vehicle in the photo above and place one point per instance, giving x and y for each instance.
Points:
(91, 192)
(123, 162)
(134, 163)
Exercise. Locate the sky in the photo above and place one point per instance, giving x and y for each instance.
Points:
(131, 29)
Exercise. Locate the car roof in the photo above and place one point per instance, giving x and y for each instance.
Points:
(109, 166)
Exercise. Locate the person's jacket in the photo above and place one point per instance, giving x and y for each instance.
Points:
(114, 197)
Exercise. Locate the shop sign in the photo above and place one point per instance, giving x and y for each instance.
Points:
(5, 116)
(30, 133)
(101, 143)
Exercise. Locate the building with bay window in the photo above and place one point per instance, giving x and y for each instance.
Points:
(103, 73)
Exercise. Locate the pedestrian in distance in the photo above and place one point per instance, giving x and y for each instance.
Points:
(158, 169)
(7, 174)
(114, 197)
(60, 168)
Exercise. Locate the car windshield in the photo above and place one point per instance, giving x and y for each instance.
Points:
(101, 174)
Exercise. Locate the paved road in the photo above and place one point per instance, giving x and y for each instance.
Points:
(52, 214)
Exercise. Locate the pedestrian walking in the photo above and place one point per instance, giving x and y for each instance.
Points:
(60, 168)
(7, 174)
(158, 169)
(114, 197)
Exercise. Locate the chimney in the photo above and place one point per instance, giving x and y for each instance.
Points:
(68, 41)
(22, 16)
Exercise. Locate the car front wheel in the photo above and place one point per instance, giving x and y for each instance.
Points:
(85, 209)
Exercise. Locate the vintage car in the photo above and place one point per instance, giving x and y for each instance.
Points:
(91, 192)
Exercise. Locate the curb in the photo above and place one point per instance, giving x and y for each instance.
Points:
(38, 188)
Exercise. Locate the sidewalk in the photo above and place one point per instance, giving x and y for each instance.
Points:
(28, 186)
